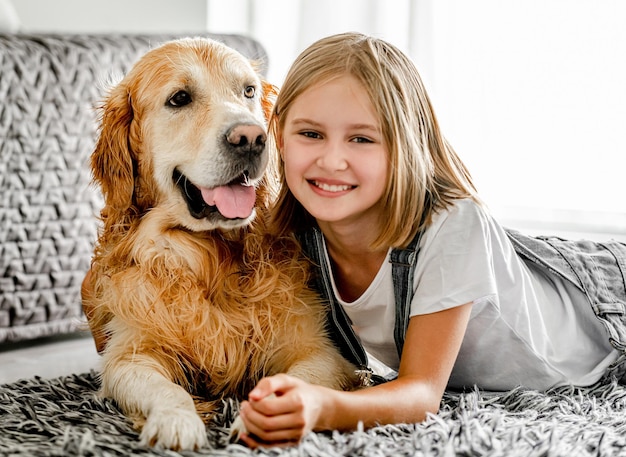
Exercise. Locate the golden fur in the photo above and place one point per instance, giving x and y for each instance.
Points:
(197, 306)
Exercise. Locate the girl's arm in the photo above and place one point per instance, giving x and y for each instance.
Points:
(431, 346)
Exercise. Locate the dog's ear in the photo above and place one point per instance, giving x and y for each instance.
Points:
(269, 98)
(112, 160)
(267, 191)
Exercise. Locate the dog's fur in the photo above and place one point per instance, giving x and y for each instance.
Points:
(196, 305)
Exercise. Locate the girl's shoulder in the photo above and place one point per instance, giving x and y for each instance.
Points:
(462, 234)
(461, 216)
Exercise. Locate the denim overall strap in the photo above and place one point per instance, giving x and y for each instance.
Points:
(338, 322)
(403, 263)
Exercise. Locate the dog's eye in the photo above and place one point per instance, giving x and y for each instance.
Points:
(180, 98)
(249, 91)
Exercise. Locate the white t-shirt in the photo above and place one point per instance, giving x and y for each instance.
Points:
(525, 328)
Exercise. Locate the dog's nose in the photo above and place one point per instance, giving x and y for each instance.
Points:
(248, 138)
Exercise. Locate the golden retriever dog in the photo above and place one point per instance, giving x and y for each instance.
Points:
(197, 300)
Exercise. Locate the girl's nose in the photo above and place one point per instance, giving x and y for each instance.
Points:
(332, 157)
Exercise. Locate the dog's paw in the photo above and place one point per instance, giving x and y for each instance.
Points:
(176, 428)
(236, 429)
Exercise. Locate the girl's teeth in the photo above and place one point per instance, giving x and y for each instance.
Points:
(332, 187)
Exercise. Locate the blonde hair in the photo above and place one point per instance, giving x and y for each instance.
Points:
(425, 174)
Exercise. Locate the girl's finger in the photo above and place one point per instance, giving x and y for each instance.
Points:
(277, 385)
(283, 433)
(273, 405)
(253, 417)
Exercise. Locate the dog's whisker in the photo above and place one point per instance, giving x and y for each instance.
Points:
(246, 179)
(182, 178)
(185, 187)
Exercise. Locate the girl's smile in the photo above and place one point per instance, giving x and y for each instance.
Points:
(326, 187)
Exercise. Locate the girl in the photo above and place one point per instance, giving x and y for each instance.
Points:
(414, 268)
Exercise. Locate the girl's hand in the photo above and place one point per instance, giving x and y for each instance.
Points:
(281, 410)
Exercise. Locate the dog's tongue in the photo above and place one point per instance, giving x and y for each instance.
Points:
(232, 201)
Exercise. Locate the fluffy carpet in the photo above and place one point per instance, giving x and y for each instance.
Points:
(65, 417)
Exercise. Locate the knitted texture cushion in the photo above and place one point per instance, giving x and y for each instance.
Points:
(50, 86)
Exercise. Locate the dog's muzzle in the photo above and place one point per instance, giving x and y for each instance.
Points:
(243, 145)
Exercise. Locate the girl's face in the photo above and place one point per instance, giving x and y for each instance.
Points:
(335, 161)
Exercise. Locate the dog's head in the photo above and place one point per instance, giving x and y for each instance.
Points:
(185, 129)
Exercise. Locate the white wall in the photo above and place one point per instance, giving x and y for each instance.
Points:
(286, 27)
(532, 94)
(95, 16)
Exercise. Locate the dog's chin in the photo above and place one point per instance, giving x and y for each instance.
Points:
(201, 216)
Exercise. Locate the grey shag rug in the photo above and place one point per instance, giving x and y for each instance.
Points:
(65, 417)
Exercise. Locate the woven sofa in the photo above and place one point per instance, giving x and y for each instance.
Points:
(50, 86)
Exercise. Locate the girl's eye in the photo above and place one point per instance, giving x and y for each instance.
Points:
(180, 98)
(249, 91)
(361, 139)
(309, 134)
